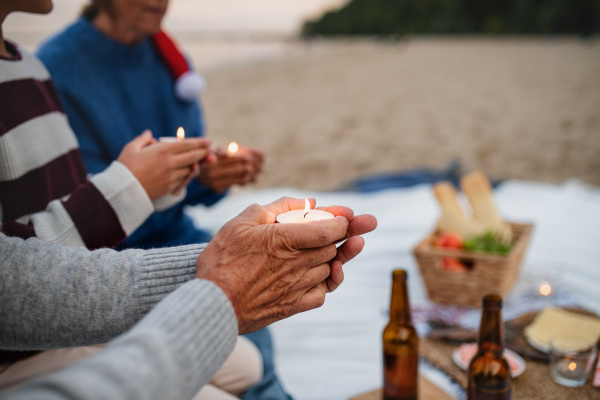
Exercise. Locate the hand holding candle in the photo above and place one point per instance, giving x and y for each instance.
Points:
(353, 242)
(276, 270)
(232, 165)
(162, 168)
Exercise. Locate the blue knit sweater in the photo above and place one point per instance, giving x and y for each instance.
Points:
(111, 93)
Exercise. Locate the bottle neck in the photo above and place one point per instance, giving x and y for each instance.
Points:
(399, 306)
(491, 336)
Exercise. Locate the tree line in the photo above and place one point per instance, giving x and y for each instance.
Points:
(405, 17)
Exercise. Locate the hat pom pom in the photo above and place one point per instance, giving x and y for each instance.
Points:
(189, 86)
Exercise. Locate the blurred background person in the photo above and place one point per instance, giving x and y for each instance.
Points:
(127, 84)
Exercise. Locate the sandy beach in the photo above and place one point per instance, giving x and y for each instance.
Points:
(327, 112)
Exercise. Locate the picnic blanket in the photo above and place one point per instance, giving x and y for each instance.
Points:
(335, 352)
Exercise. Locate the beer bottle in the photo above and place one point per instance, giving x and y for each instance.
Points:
(489, 372)
(400, 345)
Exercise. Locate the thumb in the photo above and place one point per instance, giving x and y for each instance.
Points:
(142, 140)
(258, 215)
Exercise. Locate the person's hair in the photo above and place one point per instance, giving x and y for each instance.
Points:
(91, 11)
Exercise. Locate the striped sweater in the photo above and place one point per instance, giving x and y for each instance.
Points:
(44, 188)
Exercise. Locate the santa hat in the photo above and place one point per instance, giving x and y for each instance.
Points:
(188, 84)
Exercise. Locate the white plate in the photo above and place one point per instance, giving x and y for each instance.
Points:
(463, 354)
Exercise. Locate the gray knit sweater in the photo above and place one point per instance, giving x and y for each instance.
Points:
(53, 296)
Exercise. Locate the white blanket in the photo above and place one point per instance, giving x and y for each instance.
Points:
(335, 352)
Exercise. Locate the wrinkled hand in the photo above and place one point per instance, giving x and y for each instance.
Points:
(271, 271)
(353, 243)
(163, 167)
(227, 169)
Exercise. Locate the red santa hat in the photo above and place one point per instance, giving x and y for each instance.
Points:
(188, 84)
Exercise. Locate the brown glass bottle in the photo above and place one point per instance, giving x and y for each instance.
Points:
(400, 345)
(489, 372)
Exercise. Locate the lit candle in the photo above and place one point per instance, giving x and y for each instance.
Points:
(306, 215)
(571, 360)
(545, 289)
(568, 368)
(233, 148)
(170, 139)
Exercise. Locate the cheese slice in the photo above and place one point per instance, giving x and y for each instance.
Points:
(556, 322)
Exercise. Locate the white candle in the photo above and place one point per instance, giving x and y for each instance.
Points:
(171, 139)
(302, 216)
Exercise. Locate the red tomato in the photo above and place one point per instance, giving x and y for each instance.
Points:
(453, 264)
(449, 239)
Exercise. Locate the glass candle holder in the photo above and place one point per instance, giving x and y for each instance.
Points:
(571, 360)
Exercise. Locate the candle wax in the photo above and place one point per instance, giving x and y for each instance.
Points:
(298, 216)
(168, 139)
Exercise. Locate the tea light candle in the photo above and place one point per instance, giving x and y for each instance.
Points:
(302, 216)
(171, 139)
(545, 289)
(571, 361)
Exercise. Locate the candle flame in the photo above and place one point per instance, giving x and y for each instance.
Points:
(306, 205)
(233, 147)
(572, 366)
(180, 133)
(545, 289)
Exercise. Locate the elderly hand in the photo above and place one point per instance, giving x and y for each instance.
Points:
(353, 244)
(163, 167)
(227, 169)
(271, 271)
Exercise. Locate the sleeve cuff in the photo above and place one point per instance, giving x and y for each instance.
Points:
(169, 200)
(125, 194)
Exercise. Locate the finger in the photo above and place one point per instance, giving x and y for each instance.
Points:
(313, 234)
(189, 157)
(346, 252)
(196, 170)
(350, 249)
(185, 181)
(182, 146)
(313, 298)
(255, 213)
(229, 171)
(256, 159)
(179, 176)
(336, 276)
(339, 210)
(142, 140)
(362, 224)
(315, 274)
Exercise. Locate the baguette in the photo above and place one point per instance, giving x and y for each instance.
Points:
(446, 196)
(478, 190)
(466, 227)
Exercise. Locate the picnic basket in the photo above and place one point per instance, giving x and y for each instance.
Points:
(487, 273)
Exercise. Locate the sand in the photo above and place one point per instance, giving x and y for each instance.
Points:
(327, 112)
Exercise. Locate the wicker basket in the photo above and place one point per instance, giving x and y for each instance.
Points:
(488, 273)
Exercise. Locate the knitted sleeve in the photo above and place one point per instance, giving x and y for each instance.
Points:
(44, 190)
(170, 354)
(53, 296)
